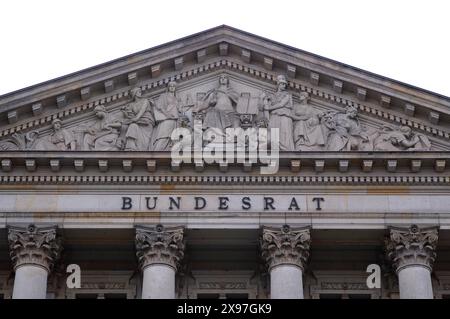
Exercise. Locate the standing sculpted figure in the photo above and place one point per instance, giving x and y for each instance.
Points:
(103, 134)
(167, 111)
(279, 106)
(220, 106)
(139, 122)
(308, 132)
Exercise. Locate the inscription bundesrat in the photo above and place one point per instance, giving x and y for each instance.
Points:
(221, 203)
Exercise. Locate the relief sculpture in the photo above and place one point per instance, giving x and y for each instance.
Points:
(344, 132)
(279, 107)
(138, 123)
(400, 139)
(168, 110)
(146, 124)
(103, 134)
(219, 106)
(60, 139)
(308, 129)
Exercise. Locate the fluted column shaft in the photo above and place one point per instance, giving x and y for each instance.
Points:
(159, 251)
(413, 252)
(286, 252)
(33, 253)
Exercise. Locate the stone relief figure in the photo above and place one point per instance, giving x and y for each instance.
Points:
(308, 130)
(103, 134)
(167, 112)
(60, 139)
(145, 125)
(400, 139)
(20, 142)
(219, 106)
(139, 121)
(344, 131)
(279, 106)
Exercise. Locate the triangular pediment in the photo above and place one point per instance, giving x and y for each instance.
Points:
(252, 63)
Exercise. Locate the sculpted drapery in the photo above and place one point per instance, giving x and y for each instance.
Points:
(139, 122)
(219, 106)
(308, 131)
(103, 134)
(143, 124)
(280, 105)
(167, 112)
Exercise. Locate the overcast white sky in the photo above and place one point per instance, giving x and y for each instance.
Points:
(402, 39)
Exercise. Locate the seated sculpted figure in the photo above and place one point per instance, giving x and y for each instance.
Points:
(401, 139)
(139, 122)
(219, 105)
(59, 140)
(103, 134)
(167, 112)
(344, 131)
(21, 141)
(308, 132)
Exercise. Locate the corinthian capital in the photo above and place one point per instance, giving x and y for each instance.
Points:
(285, 245)
(159, 245)
(412, 246)
(33, 245)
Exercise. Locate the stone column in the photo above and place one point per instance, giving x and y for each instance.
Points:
(413, 252)
(159, 250)
(286, 252)
(33, 253)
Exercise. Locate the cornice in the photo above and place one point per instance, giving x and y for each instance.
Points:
(296, 168)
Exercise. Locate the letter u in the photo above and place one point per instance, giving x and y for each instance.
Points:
(147, 199)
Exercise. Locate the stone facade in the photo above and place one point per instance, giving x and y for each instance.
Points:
(356, 174)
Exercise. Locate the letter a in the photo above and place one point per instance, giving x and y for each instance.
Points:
(74, 279)
(374, 279)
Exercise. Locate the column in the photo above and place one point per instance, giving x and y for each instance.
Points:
(286, 251)
(413, 252)
(159, 251)
(33, 253)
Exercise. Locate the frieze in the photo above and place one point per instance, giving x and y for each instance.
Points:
(145, 124)
(218, 202)
(397, 138)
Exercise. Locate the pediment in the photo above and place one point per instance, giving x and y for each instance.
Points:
(384, 107)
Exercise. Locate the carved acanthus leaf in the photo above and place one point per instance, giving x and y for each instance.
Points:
(285, 246)
(412, 246)
(159, 245)
(33, 245)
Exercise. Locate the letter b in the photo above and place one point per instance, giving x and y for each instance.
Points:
(126, 203)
